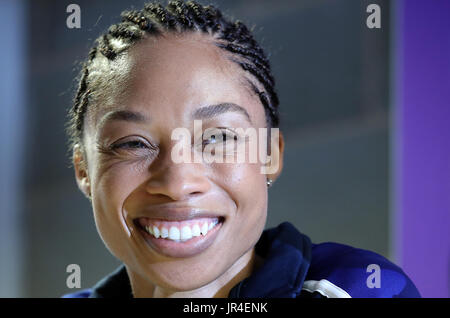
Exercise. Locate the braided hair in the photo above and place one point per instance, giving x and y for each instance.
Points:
(154, 19)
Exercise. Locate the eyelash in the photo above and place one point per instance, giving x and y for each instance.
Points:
(128, 143)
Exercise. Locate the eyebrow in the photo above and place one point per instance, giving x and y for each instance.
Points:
(211, 111)
(124, 115)
(205, 112)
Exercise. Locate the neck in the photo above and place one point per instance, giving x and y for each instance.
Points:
(219, 288)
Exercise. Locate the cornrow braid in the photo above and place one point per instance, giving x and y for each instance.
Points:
(177, 16)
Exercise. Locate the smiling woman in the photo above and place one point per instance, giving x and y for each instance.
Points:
(195, 229)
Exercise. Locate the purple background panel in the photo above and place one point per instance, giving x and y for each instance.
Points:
(422, 128)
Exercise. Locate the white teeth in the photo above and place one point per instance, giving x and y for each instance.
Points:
(186, 233)
(164, 233)
(204, 229)
(195, 230)
(155, 232)
(174, 233)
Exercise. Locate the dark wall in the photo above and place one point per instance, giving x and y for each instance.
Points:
(332, 76)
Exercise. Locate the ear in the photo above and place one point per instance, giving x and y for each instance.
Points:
(81, 171)
(276, 154)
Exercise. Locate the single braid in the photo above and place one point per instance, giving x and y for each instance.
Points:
(178, 16)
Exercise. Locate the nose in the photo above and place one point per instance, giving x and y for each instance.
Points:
(179, 181)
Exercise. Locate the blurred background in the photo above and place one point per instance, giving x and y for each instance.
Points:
(365, 113)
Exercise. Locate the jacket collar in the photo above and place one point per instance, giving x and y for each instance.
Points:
(115, 285)
(286, 253)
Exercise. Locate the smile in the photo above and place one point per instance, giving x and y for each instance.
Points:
(181, 238)
(179, 230)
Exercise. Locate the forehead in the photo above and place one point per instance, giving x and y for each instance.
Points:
(187, 70)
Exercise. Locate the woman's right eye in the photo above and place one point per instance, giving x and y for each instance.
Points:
(133, 144)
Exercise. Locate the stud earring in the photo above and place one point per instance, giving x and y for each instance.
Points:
(269, 182)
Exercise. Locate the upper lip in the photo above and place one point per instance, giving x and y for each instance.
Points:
(172, 213)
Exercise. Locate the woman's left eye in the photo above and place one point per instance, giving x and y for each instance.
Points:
(221, 137)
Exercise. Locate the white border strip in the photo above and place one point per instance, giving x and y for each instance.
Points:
(325, 288)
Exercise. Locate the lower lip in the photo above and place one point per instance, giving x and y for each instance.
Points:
(189, 248)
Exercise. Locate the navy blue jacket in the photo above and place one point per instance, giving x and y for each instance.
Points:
(295, 268)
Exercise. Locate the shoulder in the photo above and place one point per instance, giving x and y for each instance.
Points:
(338, 270)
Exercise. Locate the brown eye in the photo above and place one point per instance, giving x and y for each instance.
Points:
(222, 136)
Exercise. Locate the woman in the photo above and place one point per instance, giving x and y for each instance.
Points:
(195, 228)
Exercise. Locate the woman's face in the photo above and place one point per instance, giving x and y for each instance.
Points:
(134, 181)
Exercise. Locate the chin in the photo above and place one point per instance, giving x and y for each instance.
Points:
(181, 280)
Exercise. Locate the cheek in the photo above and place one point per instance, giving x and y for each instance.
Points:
(242, 181)
(111, 187)
(247, 188)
